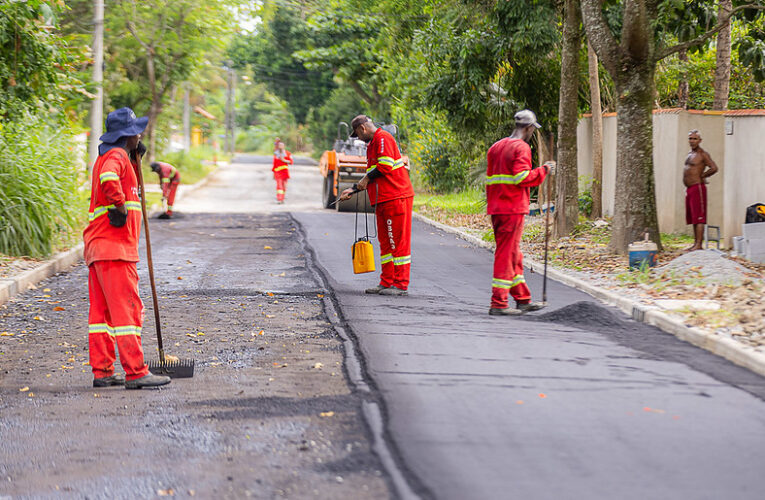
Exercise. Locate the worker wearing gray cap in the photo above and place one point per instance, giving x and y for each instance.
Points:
(508, 178)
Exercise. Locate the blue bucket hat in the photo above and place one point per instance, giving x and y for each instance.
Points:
(123, 123)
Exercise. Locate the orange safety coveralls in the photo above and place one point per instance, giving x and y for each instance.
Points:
(111, 253)
(391, 191)
(508, 178)
(281, 172)
(169, 179)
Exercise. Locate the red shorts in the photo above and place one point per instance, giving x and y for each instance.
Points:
(696, 204)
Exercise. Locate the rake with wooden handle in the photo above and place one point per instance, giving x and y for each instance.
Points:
(174, 368)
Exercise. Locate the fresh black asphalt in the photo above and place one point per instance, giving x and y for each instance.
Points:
(574, 402)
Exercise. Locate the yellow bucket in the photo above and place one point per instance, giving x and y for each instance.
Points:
(363, 255)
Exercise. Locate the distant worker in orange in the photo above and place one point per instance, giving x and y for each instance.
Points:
(169, 179)
(282, 161)
(508, 178)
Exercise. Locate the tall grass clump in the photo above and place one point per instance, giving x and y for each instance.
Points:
(193, 166)
(41, 206)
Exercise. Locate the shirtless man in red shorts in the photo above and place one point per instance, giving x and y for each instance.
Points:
(698, 166)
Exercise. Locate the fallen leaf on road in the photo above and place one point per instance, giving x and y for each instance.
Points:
(171, 358)
(321, 296)
(38, 318)
(46, 289)
(166, 493)
(59, 308)
(6, 334)
(270, 294)
(31, 395)
(318, 365)
(283, 274)
(180, 277)
(24, 389)
(200, 334)
(269, 315)
(266, 247)
(542, 395)
(190, 335)
(519, 402)
(327, 414)
(64, 367)
(96, 395)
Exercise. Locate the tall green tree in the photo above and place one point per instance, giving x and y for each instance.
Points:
(155, 46)
(630, 50)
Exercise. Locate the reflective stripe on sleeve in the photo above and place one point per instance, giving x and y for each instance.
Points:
(99, 211)
(369, 169)
(109, 176)
(507, 179)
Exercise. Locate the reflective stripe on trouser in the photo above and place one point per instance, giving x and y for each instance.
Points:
(508, 261)
(281, 189)
(116, 317)
(171, 196)
(394, 226)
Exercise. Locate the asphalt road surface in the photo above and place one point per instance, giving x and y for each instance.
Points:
(574, 402)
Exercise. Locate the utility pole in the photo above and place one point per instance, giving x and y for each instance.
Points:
(186, 119)
(97, 106)
(230, 110)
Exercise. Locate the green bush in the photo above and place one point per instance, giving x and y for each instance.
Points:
(436, 157)
(585, 196)
(41, 206)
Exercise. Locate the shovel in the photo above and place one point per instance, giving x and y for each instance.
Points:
(174, 368)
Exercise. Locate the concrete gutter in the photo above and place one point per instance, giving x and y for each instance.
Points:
(9, 287)
(733, 351)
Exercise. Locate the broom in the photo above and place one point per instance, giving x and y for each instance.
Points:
(166, 365)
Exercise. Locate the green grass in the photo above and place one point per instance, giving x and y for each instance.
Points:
(471, 201)
(193, 166)
(42, 208)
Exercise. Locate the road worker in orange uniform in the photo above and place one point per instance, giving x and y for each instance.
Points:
(391, 192)
(282, 161)
(111, 253)
(508, 178)
(169, 180)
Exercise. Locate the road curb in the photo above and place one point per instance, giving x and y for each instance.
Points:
(733, 351)
(62, 261)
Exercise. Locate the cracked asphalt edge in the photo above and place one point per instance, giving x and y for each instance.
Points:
(406, 484)
(733, 351)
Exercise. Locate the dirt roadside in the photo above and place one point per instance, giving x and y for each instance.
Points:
(269, 413)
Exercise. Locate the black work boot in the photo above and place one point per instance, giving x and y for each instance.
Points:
(531, 306)
(375, 290)
(505, 311)
(164, 216)
(116, 379)
(394, 291)
(148, 380)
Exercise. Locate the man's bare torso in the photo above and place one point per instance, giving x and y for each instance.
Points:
(695, 163)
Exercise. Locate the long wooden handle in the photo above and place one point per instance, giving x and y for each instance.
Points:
(548, 181)
(148, 259)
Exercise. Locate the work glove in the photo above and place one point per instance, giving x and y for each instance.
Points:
(550, 167)
(116, 218)
(139, 151)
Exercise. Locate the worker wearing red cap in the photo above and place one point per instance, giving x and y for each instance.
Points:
(280, 168)
(111, 253)
(508, 178)
(390, 190)
(169, 180)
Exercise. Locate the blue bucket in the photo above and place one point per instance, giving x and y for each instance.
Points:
(642, 254)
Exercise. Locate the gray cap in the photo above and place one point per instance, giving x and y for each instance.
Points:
(526, 117)
(356, 122)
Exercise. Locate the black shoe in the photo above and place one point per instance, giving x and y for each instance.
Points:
(531, 306)
(148, 380)
(109, 381)
(393, 291)
(376, 290)
(506, 311)
(164, 216)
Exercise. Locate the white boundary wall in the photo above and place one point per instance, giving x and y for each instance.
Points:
(734, 139)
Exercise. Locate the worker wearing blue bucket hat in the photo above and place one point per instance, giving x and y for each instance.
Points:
(111, 253)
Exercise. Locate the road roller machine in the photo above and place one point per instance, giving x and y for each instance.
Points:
(345, 165)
